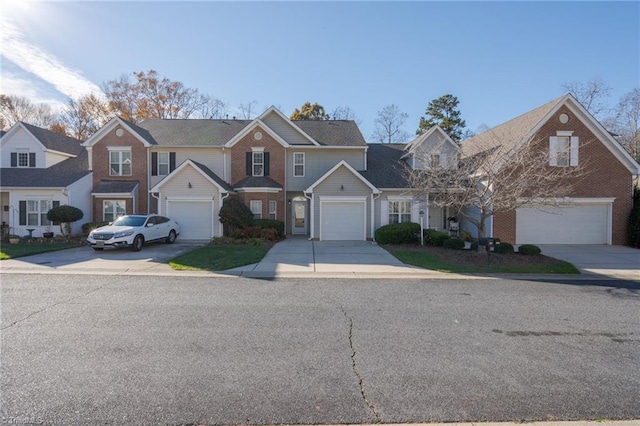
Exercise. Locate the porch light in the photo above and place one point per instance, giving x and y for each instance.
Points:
(189, 185)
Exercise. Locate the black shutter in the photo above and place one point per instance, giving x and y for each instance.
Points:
(249, 164)
(172, 161)
(23, 213)
(32, 159)
(154, 164)
(14, 159)
(56, 204)
(266, 164)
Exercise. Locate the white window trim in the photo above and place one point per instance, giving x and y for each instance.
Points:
(38, 211)
(574, 148)
(303, 164)
(256, 203)
(253, 163)
(120, 162)
(168, 163)
(273, 212)
(104, 209)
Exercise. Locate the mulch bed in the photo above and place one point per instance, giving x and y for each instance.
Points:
(479, 258)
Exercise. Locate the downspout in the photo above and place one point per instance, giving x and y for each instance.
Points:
(222, 198)
(373, 215)
(157, 198)
(311, 222)
(427, 211)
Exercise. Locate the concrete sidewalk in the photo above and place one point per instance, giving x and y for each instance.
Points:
(598, 260)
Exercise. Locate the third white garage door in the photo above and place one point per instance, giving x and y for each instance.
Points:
(342, 221)
(582, 224)
(194, 217)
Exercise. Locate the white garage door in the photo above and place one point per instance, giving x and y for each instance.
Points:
(194, 217)
(342, 221)
(583, 224)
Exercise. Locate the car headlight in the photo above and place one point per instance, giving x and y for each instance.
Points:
(123, 234)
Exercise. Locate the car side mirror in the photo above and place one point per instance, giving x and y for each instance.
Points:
(150, 225)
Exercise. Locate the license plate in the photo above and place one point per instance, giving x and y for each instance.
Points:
(99, 243)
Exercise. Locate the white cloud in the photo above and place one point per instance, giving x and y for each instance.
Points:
(45, 66)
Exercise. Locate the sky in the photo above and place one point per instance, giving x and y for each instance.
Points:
(500, 59)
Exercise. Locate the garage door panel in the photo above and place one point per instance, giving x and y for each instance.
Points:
(343, 221)
(194, 217)
(584, 224)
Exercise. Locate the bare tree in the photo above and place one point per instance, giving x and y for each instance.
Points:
(492, 180)
(247, 110)
(591, 94)
(18, 108)
(389, 125)
(344, 113)
(626, 122)
(83, 117)
(211, 108)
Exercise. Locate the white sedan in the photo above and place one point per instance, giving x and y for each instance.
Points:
(134, 231)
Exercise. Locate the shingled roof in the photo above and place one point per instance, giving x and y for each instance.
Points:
(115, 186)
(59, 175)
(55, 141)
(385, 169)
(212, 175)
(193, 132)
(258, 182)
(507, 135)
(333, 132)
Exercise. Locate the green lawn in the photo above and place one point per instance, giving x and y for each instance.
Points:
(219, 257)
(430, 261)
(11, 251)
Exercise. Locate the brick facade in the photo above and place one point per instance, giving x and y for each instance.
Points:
(606, 177)
(277, 163)
(139, 169)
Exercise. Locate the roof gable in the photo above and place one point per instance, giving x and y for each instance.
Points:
(336, 167)
(200, 168)
(138, 132)
(286, 128)
(46, 139)
(434, 135)
(255, 124)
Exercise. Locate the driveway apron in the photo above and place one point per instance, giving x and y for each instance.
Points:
(612, 261)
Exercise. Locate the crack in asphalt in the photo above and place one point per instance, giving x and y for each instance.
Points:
(354, 366)
(46, 308)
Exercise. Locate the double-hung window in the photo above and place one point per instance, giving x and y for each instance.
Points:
(298, 164)
(120, 163)
(273, 207)
(23, 158)
(112, 209)
(256, 208)
(563, 149)
(34, 212)
(435, 161)
(163, 163)
(258, 163)
(399, 211)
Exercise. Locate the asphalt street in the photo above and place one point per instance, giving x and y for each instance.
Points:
(178, 350)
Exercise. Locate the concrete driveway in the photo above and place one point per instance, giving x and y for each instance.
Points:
(612, 261)
(152, 258)
(297, 256)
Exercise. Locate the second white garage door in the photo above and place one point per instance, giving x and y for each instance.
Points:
(194, 217)
(342, 221)
(582, 224)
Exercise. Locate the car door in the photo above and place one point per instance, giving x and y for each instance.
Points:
(151, 230)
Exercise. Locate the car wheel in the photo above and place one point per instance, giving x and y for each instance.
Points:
(138, 242)
(172, 237)
(98, 248)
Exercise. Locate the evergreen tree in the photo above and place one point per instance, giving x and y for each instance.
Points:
(443, 112)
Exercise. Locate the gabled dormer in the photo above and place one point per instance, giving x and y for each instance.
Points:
(27, 146)
(432, 149)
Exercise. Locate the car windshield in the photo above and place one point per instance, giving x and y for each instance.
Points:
(130, 221)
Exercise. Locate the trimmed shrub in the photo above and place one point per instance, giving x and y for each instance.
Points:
(453, 243)
(465, 235)
(65, 215)
(256, 232)
(90, 226)
(398, 233)
(235, 214)
(278, 225)
(435, 238)
(529, 249)
(503, 248)
(474, 246)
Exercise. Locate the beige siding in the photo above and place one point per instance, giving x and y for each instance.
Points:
(318, 162)
(285, 130)
(332, 186)
(213, 158)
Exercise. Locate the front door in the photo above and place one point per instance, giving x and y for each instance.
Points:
(299, 215)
